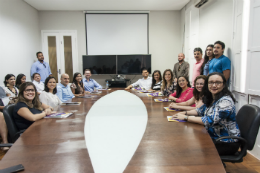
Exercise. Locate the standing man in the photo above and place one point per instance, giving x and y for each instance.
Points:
(220, 63)
(199, 61)
(41, 67)
(63, 90)
(90, 84)
(145, 82)
(181, 69)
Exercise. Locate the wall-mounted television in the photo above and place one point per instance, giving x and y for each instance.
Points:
(117, 64)
(133, 64)
(100, 64)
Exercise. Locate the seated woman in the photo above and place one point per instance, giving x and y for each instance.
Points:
(167, 83)
(3, 131)
(156, 81)
(28, 107)
(218, 114)
(38, 83)
(77, 86)
(196, 99)
(10, 89)
(48, 96)
(184, 92)
(20, 79)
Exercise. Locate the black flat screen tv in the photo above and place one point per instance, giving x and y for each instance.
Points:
(100, 64)
(133, 64)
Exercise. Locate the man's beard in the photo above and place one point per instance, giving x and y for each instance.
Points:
(181, 60)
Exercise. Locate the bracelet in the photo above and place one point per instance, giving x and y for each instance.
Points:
(186, 118)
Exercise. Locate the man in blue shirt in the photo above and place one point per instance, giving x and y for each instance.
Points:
(90, 84)
(63, 90)
(41, 67)
(220, 63)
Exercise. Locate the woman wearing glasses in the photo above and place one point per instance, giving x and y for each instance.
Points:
(28, 107)
(184, 92)
(218, 114)
(196, 99)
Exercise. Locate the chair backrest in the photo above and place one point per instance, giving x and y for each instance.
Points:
(248, 120)
(9, 119)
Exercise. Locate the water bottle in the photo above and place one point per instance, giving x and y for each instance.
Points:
(107, 85)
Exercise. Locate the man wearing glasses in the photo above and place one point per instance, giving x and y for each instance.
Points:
(181, 68)
(41, 67)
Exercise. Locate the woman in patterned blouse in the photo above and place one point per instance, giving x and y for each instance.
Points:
(218, 113)
(167, 83)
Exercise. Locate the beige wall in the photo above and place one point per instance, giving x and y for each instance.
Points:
(164, 36)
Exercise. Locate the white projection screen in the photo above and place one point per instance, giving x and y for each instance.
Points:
(113, 34)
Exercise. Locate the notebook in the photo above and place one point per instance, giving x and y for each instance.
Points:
(59, 115)
(158, 94)
(71, 103)
(144, 91)
(170, 109)
(162, 100)
(138, 88)
(169, 118)
(104, 89)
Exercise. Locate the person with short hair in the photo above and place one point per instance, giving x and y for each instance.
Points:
(28, 108)
(41, 67)
(218, 114)
(184, 92)
(20, 79)
(181, 68)
(48, 96)
(167, 83)
(196, 99)
(145, 82)
(63, 90)
(10, 89)
(38, 83)
(90, 84)
(220, 63)
(197, 66)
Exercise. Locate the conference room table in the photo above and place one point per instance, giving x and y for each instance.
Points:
(58, 145)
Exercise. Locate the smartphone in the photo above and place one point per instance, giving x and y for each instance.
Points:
(15, 168)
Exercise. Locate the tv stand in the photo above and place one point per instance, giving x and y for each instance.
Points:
(117, 83)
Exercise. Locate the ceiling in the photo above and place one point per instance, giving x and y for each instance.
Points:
(107, 4)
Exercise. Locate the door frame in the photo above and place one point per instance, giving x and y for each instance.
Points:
(60, 49)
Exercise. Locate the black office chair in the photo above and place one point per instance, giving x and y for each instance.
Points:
(13, 132)
(248, 120)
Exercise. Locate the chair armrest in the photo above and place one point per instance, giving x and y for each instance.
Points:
(6, 145)
(243, 147)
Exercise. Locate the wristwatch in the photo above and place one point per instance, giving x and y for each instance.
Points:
(186, 118)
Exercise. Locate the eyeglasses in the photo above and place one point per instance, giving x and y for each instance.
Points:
(29, 90)
(44, 65)
(216, 83)
(179, 67)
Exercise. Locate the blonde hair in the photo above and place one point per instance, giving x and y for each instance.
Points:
(164, 82)
(36, 101)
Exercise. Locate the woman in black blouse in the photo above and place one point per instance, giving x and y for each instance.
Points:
(20, 79)
(156, 81)
(28, 107)
(77, 86)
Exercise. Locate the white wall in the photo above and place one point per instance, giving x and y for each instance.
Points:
(20, 37)
(164, 36)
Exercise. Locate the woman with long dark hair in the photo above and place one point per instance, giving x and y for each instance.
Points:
(48, 96)
(209, 55)
(218, 114)
(196, 99)
(28, 108)
(156, 81)
(167, 83)
(77, 86)
(20, 79)
(10, 89)
(184, 92)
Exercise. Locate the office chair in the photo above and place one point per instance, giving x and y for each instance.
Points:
(13, 132)
(248, 120)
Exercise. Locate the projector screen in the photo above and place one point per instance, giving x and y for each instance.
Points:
(110, 34)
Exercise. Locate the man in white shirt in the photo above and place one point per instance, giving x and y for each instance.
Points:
(145, 82)
(38, 83)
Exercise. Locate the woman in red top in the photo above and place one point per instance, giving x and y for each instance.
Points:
(184, 92)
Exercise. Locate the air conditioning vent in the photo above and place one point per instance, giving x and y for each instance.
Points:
(199, 3)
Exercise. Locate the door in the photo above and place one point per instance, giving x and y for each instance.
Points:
(60, 51)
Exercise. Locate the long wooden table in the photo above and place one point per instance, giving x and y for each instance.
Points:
(58, 145)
